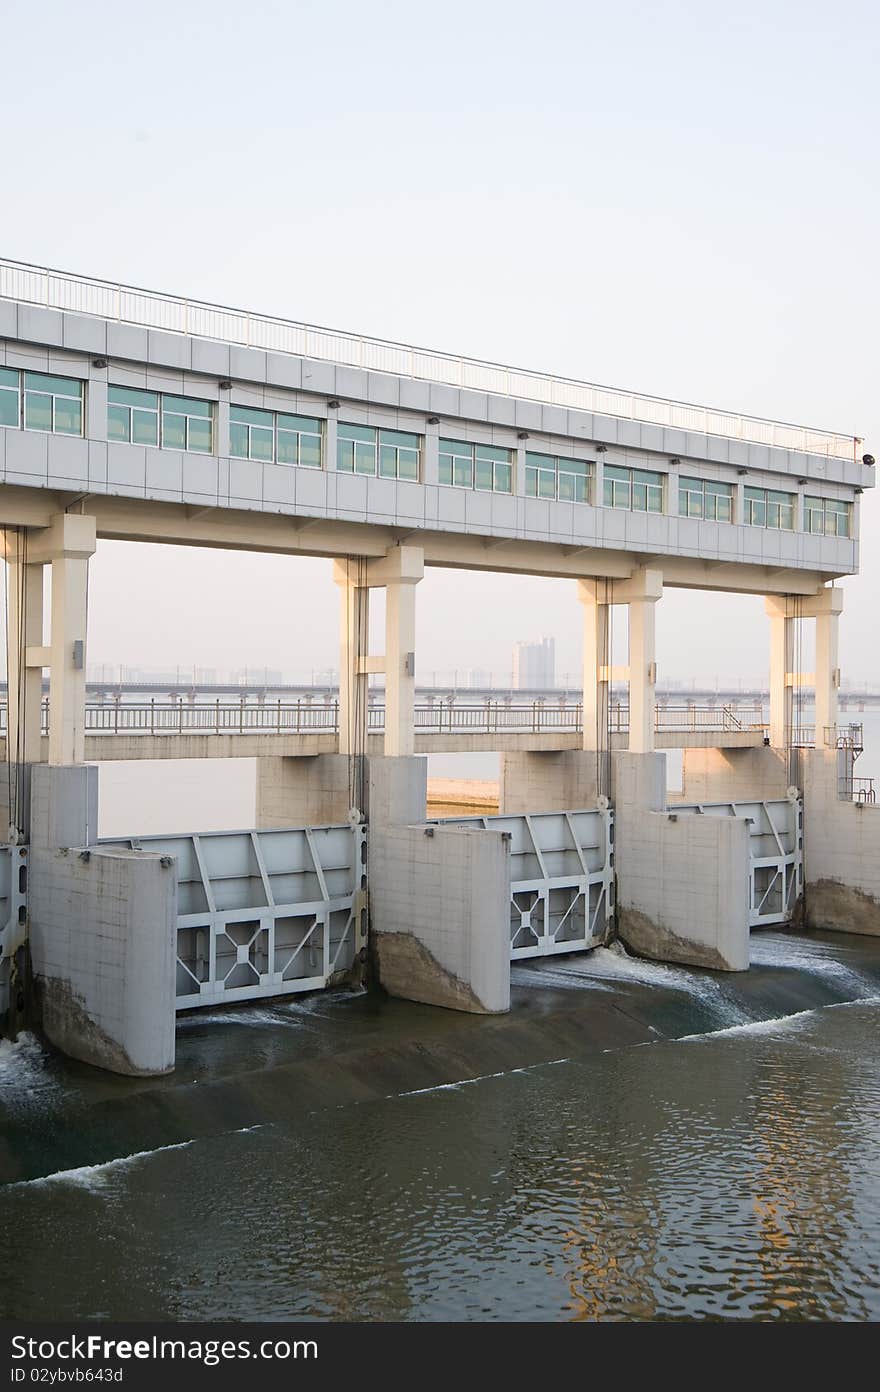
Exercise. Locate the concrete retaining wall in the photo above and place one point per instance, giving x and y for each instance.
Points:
(547, 782)
(310, 791)
(440, 918)
(397, 790)
(732, 775)
(841, 852)
(103, 930)
(682, 881)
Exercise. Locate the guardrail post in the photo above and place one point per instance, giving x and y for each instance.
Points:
(152, 715)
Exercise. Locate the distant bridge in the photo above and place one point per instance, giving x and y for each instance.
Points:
(852, 698)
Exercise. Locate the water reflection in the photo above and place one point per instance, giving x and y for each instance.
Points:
(728, 1176)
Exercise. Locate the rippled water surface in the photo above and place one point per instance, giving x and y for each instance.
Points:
(732, 1175)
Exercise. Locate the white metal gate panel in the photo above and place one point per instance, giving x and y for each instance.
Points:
(263, 913)
(776, 853)
(561, 878)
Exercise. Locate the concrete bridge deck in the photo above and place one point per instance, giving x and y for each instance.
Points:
(255, 744)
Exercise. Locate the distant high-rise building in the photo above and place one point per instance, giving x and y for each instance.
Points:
(477, 678)
(534, 665)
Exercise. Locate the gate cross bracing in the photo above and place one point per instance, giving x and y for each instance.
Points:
(263, 913)
(776, 853)
(561, 878)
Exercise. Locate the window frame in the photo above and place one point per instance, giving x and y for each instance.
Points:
(8, 388)
(554, 469)
(25, 390)
(301, 435)
(829, 508)
(649, 479)
(187, 416)
(130, 407)
(771, 498)
(249, 426)
(383, 441)
(707, 488)
(465, 458)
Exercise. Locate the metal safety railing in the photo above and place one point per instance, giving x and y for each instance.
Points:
(862, 790)
(127, 304)
(849, 736)
(305, 718)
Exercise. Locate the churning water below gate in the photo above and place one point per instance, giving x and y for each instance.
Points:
(633, 1141)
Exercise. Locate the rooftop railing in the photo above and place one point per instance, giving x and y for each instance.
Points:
(127, 304)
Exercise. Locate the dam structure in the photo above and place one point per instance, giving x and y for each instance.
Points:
(131, 415)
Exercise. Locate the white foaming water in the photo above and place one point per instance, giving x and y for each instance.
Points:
(781, 1024)
(96, 1177)
(600, 968)
(554, 972)
(25, 1079)
(296, 1014)
(783, 950)
(480, 1078)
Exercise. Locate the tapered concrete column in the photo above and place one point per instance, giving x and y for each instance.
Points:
(643, 590)
(400, 570)
(67, 543)
(354, 637)
(781, 670)
(592, 594)
(25, 672)
(829, 607)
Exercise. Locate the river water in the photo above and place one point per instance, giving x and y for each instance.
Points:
(633, 1141)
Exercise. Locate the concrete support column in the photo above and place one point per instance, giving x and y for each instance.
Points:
(354, 637)
(96, 405)
(330, 437)
(781, 670)
(672, 489)
(828, 611)
(67, 543)
(597, 675)
(400, 643)
(599, 477)
(221, 426)
(431, 453)
(519, 467)
(644, 589)
(25, 671)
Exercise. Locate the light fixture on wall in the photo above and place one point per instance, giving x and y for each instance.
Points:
(224, 384)
(675, 461)
(433, 420)
(801, 483)
(99, 362)
(522, 434)
(742, 471)
(334, 404)
(601, 449)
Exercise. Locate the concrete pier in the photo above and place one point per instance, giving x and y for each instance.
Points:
(102, 933)
(841, 851)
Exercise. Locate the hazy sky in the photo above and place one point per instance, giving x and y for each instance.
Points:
(680, 198)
